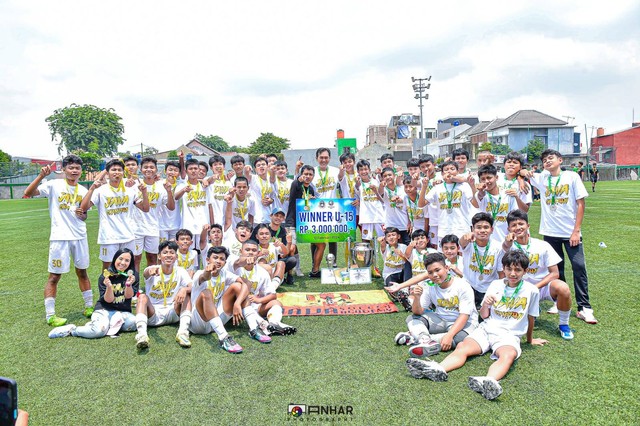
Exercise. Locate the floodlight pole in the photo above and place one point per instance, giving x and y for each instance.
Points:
(419, 89)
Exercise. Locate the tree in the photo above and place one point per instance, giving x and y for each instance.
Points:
(213, 142)
(88, 128)
(485, 146)
(268, 143)
(4, 157)
(90, 160)
(533, 150)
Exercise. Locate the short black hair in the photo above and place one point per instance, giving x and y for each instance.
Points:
(390, 229)
(460, 151)
(517, 215)
(363, 163)
(130, 158)
(257, 160)
(114, 162)
(218, 250)
(281, 163)
(71, 159)
(413, 162)
(515, 156)
(149, 160)
(426, 158)
(386, 156)
(216, 226)
(432, 258)
(307, 167)
(173, 164)
(449, 238)
(385, 170)
(237, 159)
(418, 233)
(240, 179)
(321, 150)
(244, 224)
(203, 164)
(487, 169)
(215, 158)
(182, 232)
(449, 163)
(407, 180)
(548, 152)
(190, 162)
(168, 243)
(481, 217)
(516, 258)
(346, 156)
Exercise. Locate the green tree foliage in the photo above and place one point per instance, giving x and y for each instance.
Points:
(172, 155)
(533, 150)
(4, 157)
(87, 128)
(485, 146)
(268, 143)
(90, 160)
(499, 149)
(213, 142)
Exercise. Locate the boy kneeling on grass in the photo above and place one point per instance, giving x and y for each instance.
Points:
(509, 308)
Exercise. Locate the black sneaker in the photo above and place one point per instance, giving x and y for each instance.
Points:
(289, 280)
(281, 330)
(403, 298)
(315, 274)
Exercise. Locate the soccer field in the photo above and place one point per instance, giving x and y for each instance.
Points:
(335, 360)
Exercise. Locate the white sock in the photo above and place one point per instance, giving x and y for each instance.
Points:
(218, 327)
(275, 314)
(424, 338)
(185, 321)
(225, 317)
(297, 257)
(276, 282)
(251, 316)
(50, 306)
(564, 317)
(141, 323)
(88, 298)
(438, 337)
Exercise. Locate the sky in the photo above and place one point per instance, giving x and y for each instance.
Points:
(303, 69)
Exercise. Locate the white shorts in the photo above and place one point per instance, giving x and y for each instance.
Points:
(199, 325)
(545, 293)
(146, 243)
(163, 315)
(369, 228)
(60, 252)
(488, 340)
(433, 235)
(107, 251)
(168, 235)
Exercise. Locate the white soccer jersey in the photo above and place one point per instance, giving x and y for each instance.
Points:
(272, 256)
(371, 208)
(395, 213)
(455, 209)
(218, 285)
(393, 262)
(281, 191)
(452, 301)
(215, 194)
(162, 289)
(240, 210)
(498, 206)
(171, 220)
(417, 261)
(148, 223)
(115, 209)
(558, 198)
(511, 312)
(326, 183)
(260, 189)
(415, 214)
(259, 279)
(63, 201)
(505, 183)
(487, 259)
(188, 260)
(194, 207)
(541, 256)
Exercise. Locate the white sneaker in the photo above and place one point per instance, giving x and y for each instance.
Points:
(553, 310)
(403, 338)
(426, 369)
(142, 341)
(62, 331)
(586, 315)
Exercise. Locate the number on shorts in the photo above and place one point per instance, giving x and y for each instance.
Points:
(57, 263)
(104, 251)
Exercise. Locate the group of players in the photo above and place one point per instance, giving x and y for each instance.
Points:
(218, 246)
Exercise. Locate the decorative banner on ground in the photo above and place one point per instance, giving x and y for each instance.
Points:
(360, 302)
(325, 220)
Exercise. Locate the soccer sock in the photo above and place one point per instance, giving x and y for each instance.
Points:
(50, 306)
(417, 328)
(88, 298)
(275, 314)
(251, 316)
(185, 321)
(141, 323)
(275, 282)
(564, 317)
(225, 317)
(297, 256)
(218, 327)
(438, 337)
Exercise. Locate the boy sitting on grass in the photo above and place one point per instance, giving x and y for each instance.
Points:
(509, 308)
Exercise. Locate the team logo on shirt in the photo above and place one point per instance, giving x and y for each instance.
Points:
(66, 201)
(456, 199)
(510, 304)
(117, 201)
(450, 304)
(159, 289)
(196, 198)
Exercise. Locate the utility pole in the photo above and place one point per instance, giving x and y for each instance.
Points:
(419, 88)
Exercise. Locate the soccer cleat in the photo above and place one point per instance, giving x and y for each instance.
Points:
(230, 345)
(491, 389)
(586, 315)
(426, 369)
(403, 338)
(56, 321)
(565, 332)
(183, 340)
(281, 329)
(315, 274)
(142, 341)
(62, 331)
(403, 298)
(424, 350)
(476, 383)
(88, 311)
(553, 310)
(259, 335)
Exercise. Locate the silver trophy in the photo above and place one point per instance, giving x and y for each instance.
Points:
(362, 254)
(330, 259)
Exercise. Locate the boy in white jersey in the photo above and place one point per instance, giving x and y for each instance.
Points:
(262, 293)
(237, 167)
(211, 236)
(511, 181)
(481, 255)
(193, 199)
(165, 298)
(347, 177)
(393, 197)
(393, 253)
(240, 206)
(218, 186)
(415, 214)
(260, 190)
(461, 157)
(233, 240)
(432, 211)
(147, 231)
(270, 252)
(562, 200)
(209, 285)
(281, 186)
(115, 202)
(170, 220)
(450, 246)
(453, 318)
(495, 201)
(186, 256)
(387, 161)
(371, 208)
(68, 233)
(509, 310)
(543, 267)
(453, 200)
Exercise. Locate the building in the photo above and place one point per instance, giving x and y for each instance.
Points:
(621, 147)
(377, 134)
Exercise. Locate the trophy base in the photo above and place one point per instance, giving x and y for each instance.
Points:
(345, 277)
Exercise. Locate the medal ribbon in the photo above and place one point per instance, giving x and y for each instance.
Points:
(481, 261)
(392, 194)
(166, 285)
(555, 188)
(493, 205)
(521, 248)
(352, 185)
(242, 209)
(515, 292)
(305, 195)
(75, 193)
(449, 194)
(264, 188)
(281, 191)
(185, 262)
